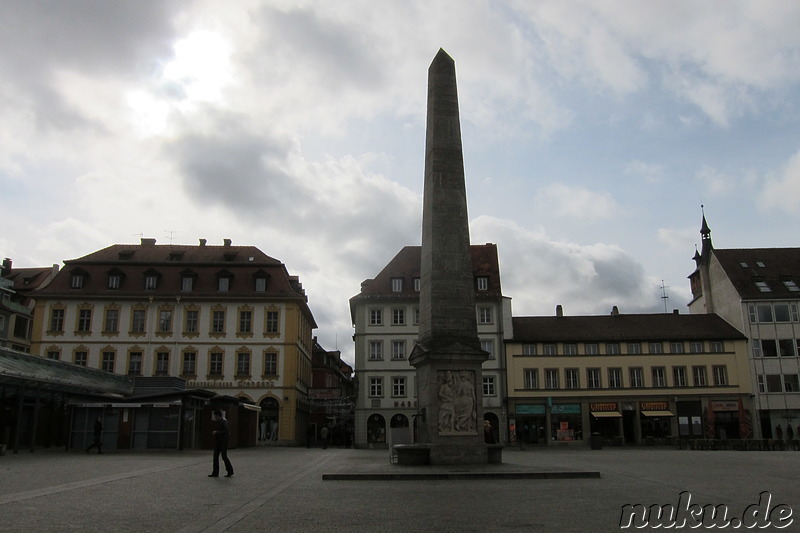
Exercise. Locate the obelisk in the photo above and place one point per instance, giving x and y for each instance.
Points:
(448, 355)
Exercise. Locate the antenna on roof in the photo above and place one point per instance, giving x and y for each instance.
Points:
(171, 232)
(664, 295)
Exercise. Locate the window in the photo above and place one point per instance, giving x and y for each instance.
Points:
(769, 347)
(245, 321)
(791, 286)
(571, 378)
(77, 281)
(636, 376)
(270, 364)
(791, 383)
(397, 284)
(150, 282)
(786, 347)
(760, 313)
(488, 386)
(484, 315)
(192, 318)
(551, 378)
(165, 320)
(761, 386)
(84, 320)
(695, 347)
(375, 317)
(416, 316)
(114, 281)
(215, 364)
(398, 317)
(399, 387)
(570, 349)
(261, 284)
(720, 375)
(676, 347)
(55, 355)
(699, 376)
(659, 377)
(218, 321)
(272, 322)
(591, 349)
(376, 387)
(530, 378)
(634, 348)
(483, 283)
(593, 378)
(655, 348)
(488, 347)
(612, 348)
(162, 364)
(398, 349)
(615, 378)
(416, 284)
(679, 376)
(80, 358)
(108, 361)
(528, 349)
(189, 368)
(716, 347)
(242, 364)
(138, 321)
(376, 349)
(111, 321)
(774, 383)
(223, 284)
(186, 283)
(56, 320)
(550, 349)
(762, 286)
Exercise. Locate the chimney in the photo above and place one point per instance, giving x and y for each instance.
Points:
(559, 310)
(615, 311)
(148, 242)
(226, 242)
(203, 242)
(6, 267)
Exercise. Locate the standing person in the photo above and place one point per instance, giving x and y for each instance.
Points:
(789, 432)
(324, 435)
(488, 432)
(220, 434)
(779, 432)
(98, 436)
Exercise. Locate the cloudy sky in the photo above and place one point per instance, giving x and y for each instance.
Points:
(592, 133)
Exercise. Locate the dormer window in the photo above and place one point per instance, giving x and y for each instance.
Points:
(416, 284)
(397, 284)
(187, 282)
(114, 281)
(483, 283)
(150, 282)
(77, 281)
(261, 284)
(791, 286)
(224, 284)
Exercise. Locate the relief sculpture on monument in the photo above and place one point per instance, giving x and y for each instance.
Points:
(457, 404)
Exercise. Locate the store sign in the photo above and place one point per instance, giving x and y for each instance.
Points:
(725, 406)
(608, 406)
(653, 406)
(529, 409)
(566, 409)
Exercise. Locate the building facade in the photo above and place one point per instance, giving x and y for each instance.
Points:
(16, 305)
(385, 315)
(227, 319)
(332, 396)
(757, 290)
(628, 378)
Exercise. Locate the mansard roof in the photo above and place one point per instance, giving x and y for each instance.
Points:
(170, 263)
(754, 270)
(623, 328)
(406, 266)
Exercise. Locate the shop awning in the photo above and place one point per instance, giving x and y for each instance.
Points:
(607, 414)
(658, 413)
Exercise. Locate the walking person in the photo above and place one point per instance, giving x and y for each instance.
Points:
(324, 435)
(221, 436)
(98, 436)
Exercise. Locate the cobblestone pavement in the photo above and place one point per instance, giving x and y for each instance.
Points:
(281, 489)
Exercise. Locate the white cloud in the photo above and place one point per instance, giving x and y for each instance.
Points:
(714, 182)
(647, 172)
(783, 191)
(565, 201)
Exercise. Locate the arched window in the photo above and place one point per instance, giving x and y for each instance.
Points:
(399, 421)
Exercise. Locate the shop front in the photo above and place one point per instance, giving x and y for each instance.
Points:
(655, 419)
(606, 420)
(528, 424)
(566, 423)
